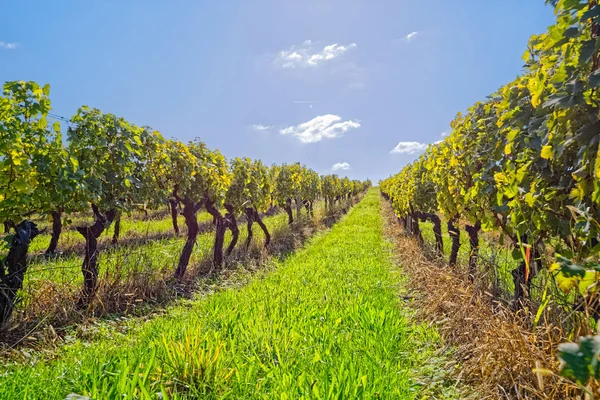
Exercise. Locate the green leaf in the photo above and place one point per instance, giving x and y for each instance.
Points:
(587, 51)
(586, 133)
(580, 359)
(557, 100)
(571, 270)
(594, 80)
(568, 269)
(592, 13)
(572, 32)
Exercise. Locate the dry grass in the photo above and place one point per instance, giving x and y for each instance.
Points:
(498, 355)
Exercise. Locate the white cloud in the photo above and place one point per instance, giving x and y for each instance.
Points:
(438, 142)
(307, 102)
(322, 127)
(307, 56)
(8, 45)
(260, 128)
(444, 134)
(411, 36)
(409, 148)
(343, 166)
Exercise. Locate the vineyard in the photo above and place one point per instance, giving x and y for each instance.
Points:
(136, 266)
(519, 174)
(113, 169)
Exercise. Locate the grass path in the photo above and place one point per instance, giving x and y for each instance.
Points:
(326, 323)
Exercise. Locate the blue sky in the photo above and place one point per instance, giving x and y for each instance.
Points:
(322, 82)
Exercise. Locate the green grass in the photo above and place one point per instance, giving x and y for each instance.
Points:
(324, 323)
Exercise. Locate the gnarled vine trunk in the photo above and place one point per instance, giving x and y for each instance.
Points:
(11, 278)
(173, 204)
(288, 210)
(307, 206)
(473, 232)
(404, 224)
(409, 225)
(221, 228)
(89, 268)
(520, 282)
(117, 231)
(233, 227)
(219, 242)
(415, 230)
(437, 230)
(298, 207)
(190, 211)
(250, 221)
(56, 231)
(454, 233)
(252, 216)
(262, 225)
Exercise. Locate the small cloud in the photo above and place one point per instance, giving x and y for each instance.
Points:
(341, 166)
(409, 148)
(320, 61)
(260, 128)
(8, 45)
(322, 127)
(307, 102)
(438, 142)
(411, 36)
(444, 134)
(307, 56)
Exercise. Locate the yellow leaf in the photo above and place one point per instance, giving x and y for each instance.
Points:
(587, 284)
(499, 177)
(536, 89)
(529, 199)
(547, 152)
(16, 157)
(564, 283)
(575, 193)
